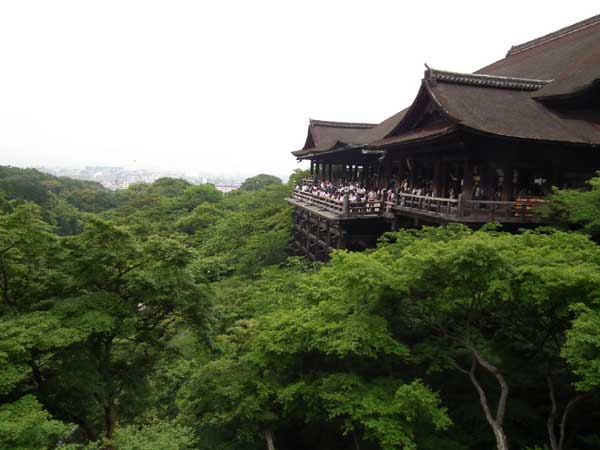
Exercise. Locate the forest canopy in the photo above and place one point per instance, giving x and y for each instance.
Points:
(172, 316)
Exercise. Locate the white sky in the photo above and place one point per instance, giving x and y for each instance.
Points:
(228, 86)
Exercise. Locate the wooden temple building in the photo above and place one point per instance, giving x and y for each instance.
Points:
(485, 146)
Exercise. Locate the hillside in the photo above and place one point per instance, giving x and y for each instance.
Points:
(172, 316)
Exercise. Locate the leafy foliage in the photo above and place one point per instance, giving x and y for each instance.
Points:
(25, 425)
(171, 316)
(259, 182)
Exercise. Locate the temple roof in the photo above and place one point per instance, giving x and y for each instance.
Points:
(513, 113)
(569, 56)
(324, 135)
(514, 97)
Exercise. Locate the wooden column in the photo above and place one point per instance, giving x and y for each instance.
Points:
(467, 188)
(312, 167)
(387, 170)
(444, 179)
(317, 171)
(553, 173)
(437, 178)
(491, 183)
(355, 173)
(401, 169)
(412, 177)
(507, 183)
(486, 180)
(330, 172)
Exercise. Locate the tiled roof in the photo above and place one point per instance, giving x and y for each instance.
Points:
(354, 125)
(521, 84)
(509, 98)
(554, 35)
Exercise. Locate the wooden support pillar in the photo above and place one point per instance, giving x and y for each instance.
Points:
(355, 173)
(387, 170)
(412, 176)
(312, 167)
(341, 242)
(557, 175)
(444, 179)
(401, 169)
(507, 181)
(486, 181)
(467, 187)
(437, 178)
(317, 172)
(491, 183)
(330, 172)
(307, 235)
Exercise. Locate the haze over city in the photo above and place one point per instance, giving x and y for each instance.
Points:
(228, 86)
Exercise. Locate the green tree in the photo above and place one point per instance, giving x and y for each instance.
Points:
(89, 352)
(484, 303)
(576, 208)
(25, 425)
(259, 182)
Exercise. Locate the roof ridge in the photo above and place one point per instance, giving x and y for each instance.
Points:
(475, 79)
(328, 123)
(554, 35)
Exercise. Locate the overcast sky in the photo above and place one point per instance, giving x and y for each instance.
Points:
(228, 86)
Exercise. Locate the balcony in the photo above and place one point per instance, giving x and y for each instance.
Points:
(437, 209)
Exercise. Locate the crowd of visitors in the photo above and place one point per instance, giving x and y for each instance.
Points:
(359, 193)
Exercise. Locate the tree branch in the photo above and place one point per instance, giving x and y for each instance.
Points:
(482, 397)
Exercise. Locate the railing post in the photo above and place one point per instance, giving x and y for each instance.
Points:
(460, 206)
(345, 206)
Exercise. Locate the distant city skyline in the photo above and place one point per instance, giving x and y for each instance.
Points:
(114, 177)
(229, 86)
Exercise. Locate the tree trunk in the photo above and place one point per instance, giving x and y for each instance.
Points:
(110, 422)
(355, 441)
(496, 421)
(560, 443)
(270, 440)
(551, 423)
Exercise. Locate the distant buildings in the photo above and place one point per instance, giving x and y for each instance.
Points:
(121, 178)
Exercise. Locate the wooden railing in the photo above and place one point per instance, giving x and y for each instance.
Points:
(342, 207)
(435, 205)
(325, 203)
(520, 210)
